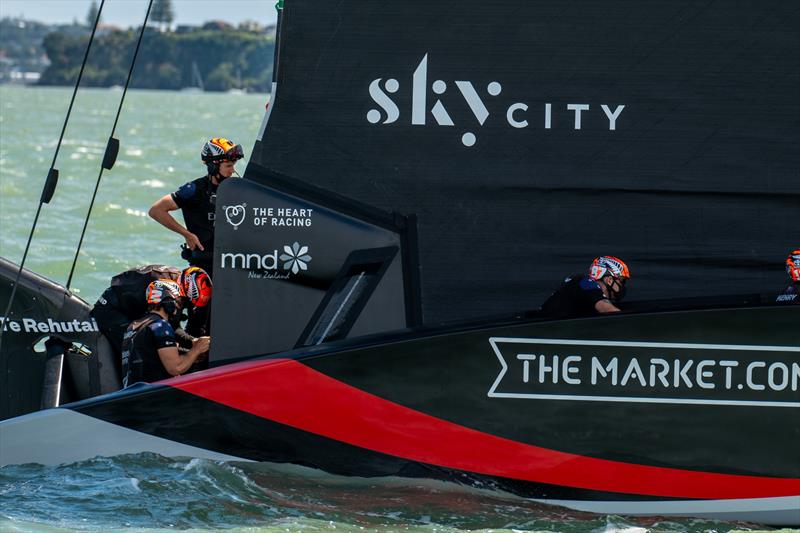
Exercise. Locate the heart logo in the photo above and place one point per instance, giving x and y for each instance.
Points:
(234, 214)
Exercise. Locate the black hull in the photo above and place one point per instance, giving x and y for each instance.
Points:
(420, 165)
(431, 405)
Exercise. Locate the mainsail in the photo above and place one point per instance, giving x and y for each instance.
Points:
(529, 137)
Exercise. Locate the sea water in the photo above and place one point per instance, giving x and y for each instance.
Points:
(148, 492)
(160, 136)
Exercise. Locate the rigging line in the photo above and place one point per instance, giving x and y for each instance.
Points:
(108, 146)
(51, 173)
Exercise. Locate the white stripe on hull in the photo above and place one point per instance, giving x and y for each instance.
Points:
(57, 436)
(782, 511)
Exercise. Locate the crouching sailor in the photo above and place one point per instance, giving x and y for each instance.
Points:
(586, 295)
(149, 349)
(123, 302)
(792, 292)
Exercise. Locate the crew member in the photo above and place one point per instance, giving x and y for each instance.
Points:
(792, 292)
(124, 301)
(196, 200)
(595, 293)
(149, 350)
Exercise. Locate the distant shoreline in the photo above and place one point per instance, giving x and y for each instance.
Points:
(136, 89)
(214, 57)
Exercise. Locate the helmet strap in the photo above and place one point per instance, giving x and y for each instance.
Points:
(213, 169)
(173, 310)
(169, 306)
(616, 290)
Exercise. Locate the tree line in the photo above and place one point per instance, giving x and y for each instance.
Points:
(225, 58)
(161, 14)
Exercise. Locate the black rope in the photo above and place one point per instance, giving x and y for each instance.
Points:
(112, 145)
(48, 183)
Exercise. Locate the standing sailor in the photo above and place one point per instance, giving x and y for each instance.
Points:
(196, 199)
(149, 350)
(595, 293)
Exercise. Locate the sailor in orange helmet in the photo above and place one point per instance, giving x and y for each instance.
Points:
(589, 294)
(149, 349)
(196, 199)
(124, 301)
(792, 292)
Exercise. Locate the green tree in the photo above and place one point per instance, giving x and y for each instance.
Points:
(225, 59)
(64, 53)
(162, 14)
(91, 15)
(221, 78)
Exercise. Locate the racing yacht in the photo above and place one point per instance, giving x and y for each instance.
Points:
(423, 178)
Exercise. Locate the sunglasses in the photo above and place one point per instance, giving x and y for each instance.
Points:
(236, 153)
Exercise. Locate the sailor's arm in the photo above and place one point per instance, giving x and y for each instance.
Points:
(175, 363)
(159, 212)
(605, 306)
(184, 340)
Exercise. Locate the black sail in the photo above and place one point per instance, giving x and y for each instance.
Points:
(431, 163)
(529, 137)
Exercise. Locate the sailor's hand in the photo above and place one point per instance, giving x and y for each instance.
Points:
(202, 344)
(193, 242)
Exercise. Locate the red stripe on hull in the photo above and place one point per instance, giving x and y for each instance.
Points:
(293, 394)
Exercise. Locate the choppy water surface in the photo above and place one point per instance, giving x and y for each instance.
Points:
(150, 492)
(161, 134)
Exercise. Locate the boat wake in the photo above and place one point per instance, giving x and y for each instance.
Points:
(151, 492)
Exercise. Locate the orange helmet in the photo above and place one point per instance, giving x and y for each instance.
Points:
(163, 290)
(219, 149)
(793, 265)
(608, 265)
(196, 286)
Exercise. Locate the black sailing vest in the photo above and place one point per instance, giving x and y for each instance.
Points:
(140, 361)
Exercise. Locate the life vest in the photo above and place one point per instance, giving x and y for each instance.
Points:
(140, 345)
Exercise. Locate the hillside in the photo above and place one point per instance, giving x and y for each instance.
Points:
(225, 57)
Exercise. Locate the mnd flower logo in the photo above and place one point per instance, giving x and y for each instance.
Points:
(295, 258)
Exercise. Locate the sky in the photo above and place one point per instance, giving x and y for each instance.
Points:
(126, 13)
